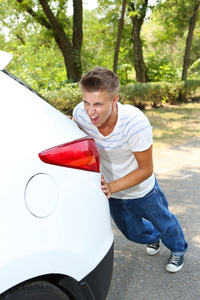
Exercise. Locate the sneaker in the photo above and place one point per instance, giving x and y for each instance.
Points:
(175, 263)
(153, 248)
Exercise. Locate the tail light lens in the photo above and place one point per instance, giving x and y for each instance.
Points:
(80, 154)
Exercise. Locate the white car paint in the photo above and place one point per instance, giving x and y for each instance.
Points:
(52, 219)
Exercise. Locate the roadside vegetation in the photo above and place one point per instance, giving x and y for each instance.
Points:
(143, 41)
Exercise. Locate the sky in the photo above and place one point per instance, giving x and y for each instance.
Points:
(90, 4)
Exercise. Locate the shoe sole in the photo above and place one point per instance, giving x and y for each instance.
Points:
(152, 253)
(174, 270)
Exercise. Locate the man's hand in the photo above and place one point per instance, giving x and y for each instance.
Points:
(105, 187)
(70, 117)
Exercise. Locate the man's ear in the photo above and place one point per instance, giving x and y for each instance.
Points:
(115, 99)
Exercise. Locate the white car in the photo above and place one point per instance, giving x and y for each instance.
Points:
(55, 229)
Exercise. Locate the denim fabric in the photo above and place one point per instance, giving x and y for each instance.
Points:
(146, 220)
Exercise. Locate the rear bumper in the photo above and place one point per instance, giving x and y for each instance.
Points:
(97, 283)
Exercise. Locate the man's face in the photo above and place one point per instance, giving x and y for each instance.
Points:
(99, 107)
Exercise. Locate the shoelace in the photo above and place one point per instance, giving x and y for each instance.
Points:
(174, 259)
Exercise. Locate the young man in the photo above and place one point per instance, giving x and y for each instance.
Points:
(124, 138)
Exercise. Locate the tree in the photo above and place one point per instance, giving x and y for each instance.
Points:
(166, 42)
(119, 36)
(179, 18)
(137, 11)
(186, 60)
(38, 32)
(109, 17)
(192, 23)
(71, 49)
(98, 46)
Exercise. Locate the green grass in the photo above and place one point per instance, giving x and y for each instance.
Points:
(174, 124)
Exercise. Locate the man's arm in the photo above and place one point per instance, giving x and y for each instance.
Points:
(144, 171)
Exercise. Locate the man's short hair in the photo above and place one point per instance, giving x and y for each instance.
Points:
(100, 79)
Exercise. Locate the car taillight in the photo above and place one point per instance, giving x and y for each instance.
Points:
(79, 154)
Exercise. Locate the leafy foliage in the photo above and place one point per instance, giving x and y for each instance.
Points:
(64, 99)
(39, 62)
(160, 68)
(137, 94)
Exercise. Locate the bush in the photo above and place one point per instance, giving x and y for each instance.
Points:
(137, 94)
(192, 87)
(156, 93)
(152, 93)
(64, 99)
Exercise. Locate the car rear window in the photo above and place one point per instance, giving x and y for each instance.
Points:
(24, 84)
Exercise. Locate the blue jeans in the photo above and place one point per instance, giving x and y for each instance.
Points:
(146, 220)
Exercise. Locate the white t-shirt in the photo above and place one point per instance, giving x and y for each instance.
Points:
(132, 133)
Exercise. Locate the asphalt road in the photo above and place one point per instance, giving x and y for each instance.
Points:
(139, 276)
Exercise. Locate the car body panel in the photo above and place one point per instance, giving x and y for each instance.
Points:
(69, 235)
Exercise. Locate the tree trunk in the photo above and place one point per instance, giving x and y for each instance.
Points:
(186, 61)
(137, 21)
(192, 24)
(77, 39)
(140, 67)
(119, 35)
(71, 50)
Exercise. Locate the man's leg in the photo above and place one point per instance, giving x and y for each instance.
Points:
(154, 207)
(134, 227)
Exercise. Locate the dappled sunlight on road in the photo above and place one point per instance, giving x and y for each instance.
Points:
(196, 240)
(139, 276)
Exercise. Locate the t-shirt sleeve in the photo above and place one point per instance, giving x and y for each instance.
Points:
(140, 136)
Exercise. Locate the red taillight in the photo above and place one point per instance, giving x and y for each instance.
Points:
(79, 154)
